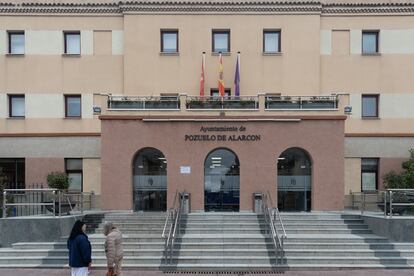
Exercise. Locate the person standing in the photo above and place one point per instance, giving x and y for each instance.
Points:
(113, 249)
(80, 250)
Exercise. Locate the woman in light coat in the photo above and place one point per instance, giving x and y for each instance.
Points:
(113, 248)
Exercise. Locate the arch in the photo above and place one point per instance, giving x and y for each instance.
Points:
(294, 180)
(221, 181)
(149, 171)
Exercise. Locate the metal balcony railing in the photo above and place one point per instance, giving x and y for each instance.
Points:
(231, 102)
(301, 102)
(143, 102)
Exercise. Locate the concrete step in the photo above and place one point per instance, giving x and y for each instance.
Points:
(355, 245)
(62, 245)
(338, 252)
(327, 231)
(322, 260)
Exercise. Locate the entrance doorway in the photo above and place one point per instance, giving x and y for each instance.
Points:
(150, 180)
(221, 181)
(294, 174)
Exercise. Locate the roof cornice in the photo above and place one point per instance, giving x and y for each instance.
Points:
(108, 7)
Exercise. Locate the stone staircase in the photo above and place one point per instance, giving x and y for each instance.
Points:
(339, 241)
(229, 242)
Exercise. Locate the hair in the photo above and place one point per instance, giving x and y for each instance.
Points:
(108, 226)
(76, 229)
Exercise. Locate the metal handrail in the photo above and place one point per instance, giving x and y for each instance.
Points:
(270, 217)
(56, 198)
(389, 194)
(176, 226)
(173, 215)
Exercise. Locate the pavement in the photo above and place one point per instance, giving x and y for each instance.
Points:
(64, 272)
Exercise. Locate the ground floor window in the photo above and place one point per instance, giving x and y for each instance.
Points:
(369, 174)
(13, 172)
(75, 172)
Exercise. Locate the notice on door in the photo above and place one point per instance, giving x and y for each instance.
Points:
(185, 169)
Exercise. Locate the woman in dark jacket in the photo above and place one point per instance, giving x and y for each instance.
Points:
(79, 250)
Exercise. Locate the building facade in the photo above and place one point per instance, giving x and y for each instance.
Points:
(123, 96)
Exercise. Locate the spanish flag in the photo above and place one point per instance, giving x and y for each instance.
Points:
(202, 76)
(221, 79)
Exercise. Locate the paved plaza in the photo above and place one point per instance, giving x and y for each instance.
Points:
(62, 272)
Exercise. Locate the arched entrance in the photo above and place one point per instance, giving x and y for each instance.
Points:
(294, 174)
(150, 180)
(221, 181)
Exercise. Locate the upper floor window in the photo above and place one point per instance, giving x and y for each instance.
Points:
(271, 41)
(214, 92)
(73, 106)
(16, 106)
(370, 42)
(370, 106)
(221, 41)
(72, 43)
(169, 41)
(16, 42)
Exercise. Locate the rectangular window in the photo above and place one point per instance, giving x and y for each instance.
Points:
(72, 43)
(169, 41)
(370, 42)
(369, 174)
(271, 41)
(214, 92)
(221, 41)
(73, 106)
(16, 106)
(13, 172)
(370, 106)
(75, 172)
(16, 43)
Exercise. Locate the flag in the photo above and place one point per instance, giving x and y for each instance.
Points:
(221, 80)
(237, 78)
(202, 76)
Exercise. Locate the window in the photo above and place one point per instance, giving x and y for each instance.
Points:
(74, 171)
(16, 106)
(16, 43)
(370, 42)
(73, 106)
(370, 106)
(221, 41)
(271, 41)
(13, 173)
(169, 41)
(214, 92)
(72, 43)
(369, 174)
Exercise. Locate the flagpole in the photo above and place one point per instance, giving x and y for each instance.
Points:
(238, 65)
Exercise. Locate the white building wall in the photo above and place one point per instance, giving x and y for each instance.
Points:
(117, 42)
(44, 106)
(44, 42)
(86, 42)
(326, 42)
(355, 41)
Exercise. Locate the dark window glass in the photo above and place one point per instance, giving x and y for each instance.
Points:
(74, 170)
(222, 181)
(370, 42)
(72, 43)
(73, 106)
(150, 180)
(16, 43)
(369, 174)
(16, 106)
(369, 105)
(169, 41)
(214, 92)
(13, 173)
(221, 41)
(271, 41)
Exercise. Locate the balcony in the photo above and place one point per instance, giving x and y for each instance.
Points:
(219, 103)
(301, 102)
(143, 103)
(261, 104)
